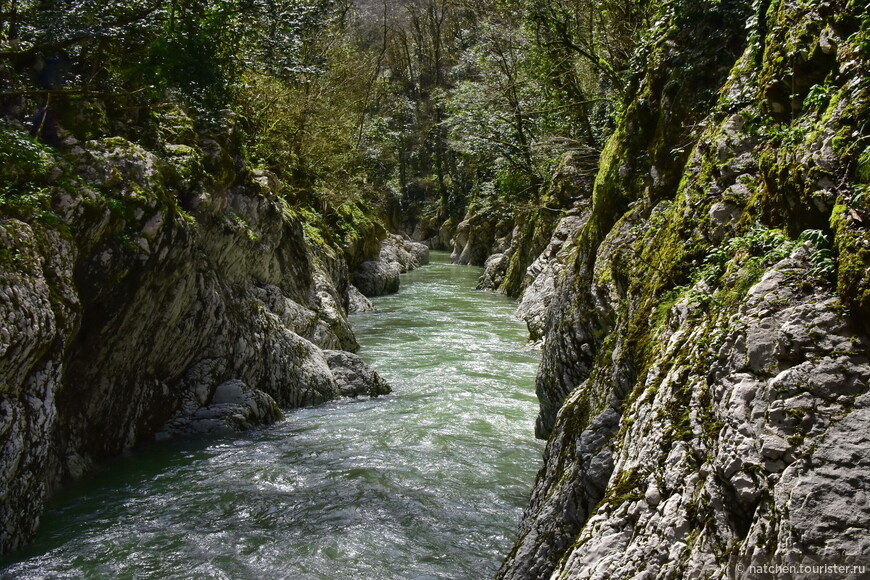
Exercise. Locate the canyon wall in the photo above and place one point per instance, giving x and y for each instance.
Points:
(148, 294)
(705, 374)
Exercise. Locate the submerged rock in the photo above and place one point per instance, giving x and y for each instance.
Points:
(234, 406)
(353, 376)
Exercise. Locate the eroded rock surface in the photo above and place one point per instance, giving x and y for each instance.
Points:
(397, 255)
(544, 273)
(169, 293)
(706, 367)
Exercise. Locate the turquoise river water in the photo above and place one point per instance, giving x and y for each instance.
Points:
(426, 483)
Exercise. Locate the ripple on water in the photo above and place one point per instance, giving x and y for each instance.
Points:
(428, 482)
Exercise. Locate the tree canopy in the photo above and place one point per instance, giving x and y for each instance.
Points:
(415, 107)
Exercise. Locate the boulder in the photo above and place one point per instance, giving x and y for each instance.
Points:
(353, 376)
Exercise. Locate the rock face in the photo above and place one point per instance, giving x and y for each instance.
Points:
(149, 294)
(548, 267)
(397, 255)
(705, 374)
(479, 236)
(541, 241)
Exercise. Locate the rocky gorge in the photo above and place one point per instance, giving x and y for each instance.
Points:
(703, 309)
(149, 295)
(698, 287)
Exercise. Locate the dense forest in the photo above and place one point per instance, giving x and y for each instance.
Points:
(413, 111)
(195, 195)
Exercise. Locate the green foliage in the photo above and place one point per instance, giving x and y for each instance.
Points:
(785, 135)
(239, 223)
(184, 62)
(416, 111)
(760, 245)
(582, 40)
(822, 263)
(195, 48)
(25, 170)
(818, 97)
(861, 39)
(24, 163)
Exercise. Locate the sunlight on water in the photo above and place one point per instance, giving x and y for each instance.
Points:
(426, 483)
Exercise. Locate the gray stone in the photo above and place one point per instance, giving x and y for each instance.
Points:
(230, 392)
(542, 275)
(375, 278)
(493, 272)
(653, 496)
(176, 329)
(353, 376)
(357, 302)
(397, 255)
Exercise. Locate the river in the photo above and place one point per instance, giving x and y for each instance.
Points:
(426, 483)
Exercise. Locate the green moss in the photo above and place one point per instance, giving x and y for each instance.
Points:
(625, 486)
(853, 272)
(787, 193)
(579, 411)
(662, 256)
(664, 306)
(797, 413)
(609, 198)
(710, 422)
(174, 126)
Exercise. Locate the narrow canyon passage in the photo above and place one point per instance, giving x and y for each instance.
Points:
(428, 482)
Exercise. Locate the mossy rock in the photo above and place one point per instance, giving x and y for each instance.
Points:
(85, 118)
(174, 126)
(853, 273)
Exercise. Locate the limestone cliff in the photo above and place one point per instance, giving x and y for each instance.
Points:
(153, 293)
(380, 275)
(705, 374)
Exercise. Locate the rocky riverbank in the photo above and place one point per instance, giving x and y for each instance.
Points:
(380, 276)
(158, 293)
(704, 384)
